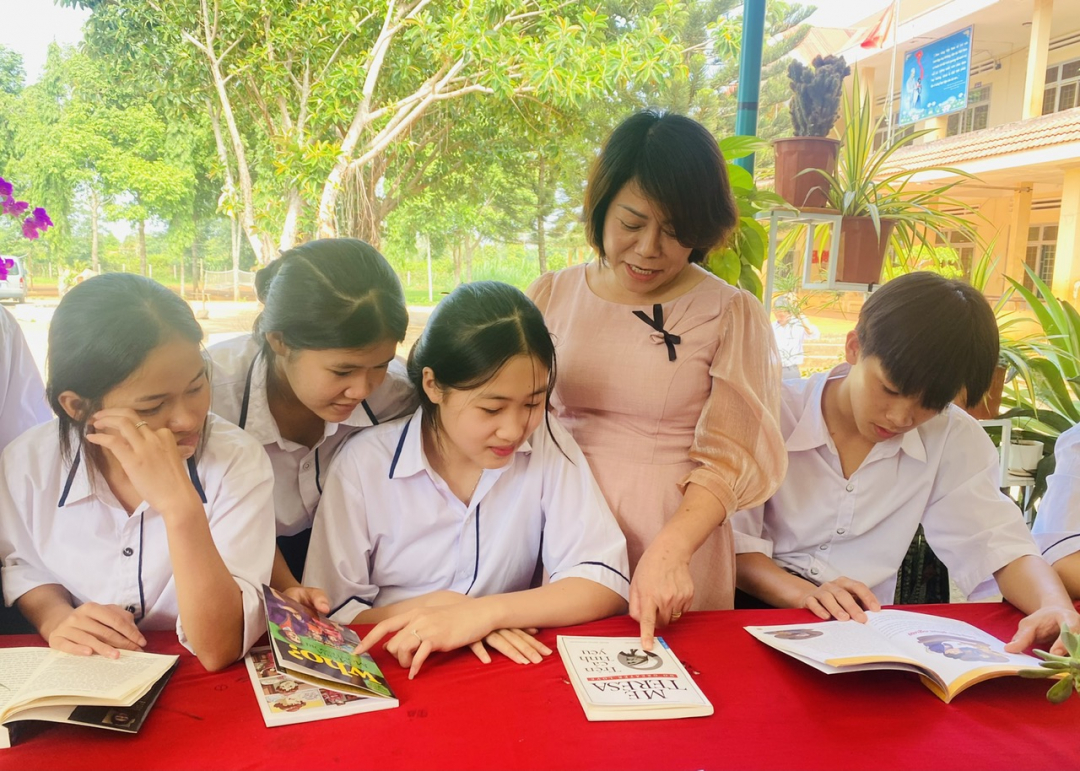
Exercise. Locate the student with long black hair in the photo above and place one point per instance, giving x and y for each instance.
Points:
(436, 525)
(319, 366)
(135, 509)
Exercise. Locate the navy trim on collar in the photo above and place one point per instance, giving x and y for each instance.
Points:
(318, 471)
(142, 597)
(476, 564)
(70, 479)
(371, 415)
(361, 600)
(400, 444)
(247, 393)
(194, 474)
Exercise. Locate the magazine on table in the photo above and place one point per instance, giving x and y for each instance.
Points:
(949, 655)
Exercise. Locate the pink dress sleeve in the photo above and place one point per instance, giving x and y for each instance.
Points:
(540, 290)
(737, 441)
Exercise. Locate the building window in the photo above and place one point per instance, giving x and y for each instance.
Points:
(975, 116)
(1042, 244)
(1062, 87)
(898, 133)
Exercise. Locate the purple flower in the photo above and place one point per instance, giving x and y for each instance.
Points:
(30, 228)
(5, 188)
(42, 218)
(13, 207)
(5, 265)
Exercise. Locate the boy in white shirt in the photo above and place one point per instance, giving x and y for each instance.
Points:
(876, 448)
(1057, 526)
(791, 330)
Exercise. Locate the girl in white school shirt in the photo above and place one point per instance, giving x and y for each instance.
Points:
(319, 367)
(435, 526)
(134, 509)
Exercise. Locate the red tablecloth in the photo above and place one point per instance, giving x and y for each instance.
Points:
(771, 712)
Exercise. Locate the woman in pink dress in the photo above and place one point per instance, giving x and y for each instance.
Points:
(669, 378)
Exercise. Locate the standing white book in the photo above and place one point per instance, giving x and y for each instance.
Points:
(615, 679)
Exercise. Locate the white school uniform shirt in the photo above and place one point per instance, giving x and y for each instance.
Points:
(22, 396)
(389, 527)
(61, 524)
(943, 474)
(239, 396)
(789, 340)
(1057, 526)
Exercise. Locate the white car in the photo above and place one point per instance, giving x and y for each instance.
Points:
(14, 287)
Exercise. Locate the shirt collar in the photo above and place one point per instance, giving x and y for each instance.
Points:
(811, 432)
(78, 486)
(409, 458)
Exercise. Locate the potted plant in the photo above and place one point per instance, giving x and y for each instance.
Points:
(880, 204)
(815, 108)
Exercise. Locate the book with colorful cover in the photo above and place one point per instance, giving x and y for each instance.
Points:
(948, 655)
(313, 662)
(615, 679)
(284, 700)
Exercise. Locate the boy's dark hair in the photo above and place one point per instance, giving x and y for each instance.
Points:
(102, 331)
(330, 293)
(679, 168)
(934, 336)
(472, 333)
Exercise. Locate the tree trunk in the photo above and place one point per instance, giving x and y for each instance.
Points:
(361, 211)
(95, 205)
(234, 227)
(292, 221)
(142, 245)
(469, 245)
(541, 229)
(455, 254)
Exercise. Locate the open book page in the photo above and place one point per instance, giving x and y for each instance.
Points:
(958, 653)
(17, 665)
(827, 645)
(92, 679)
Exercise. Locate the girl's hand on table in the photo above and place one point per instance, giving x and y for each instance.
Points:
(518, 645)
(101, 629)
(1041, 627)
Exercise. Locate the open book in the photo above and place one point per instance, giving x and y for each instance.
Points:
(949, 655)
(309, 671)
(616, 680)
(116, 694)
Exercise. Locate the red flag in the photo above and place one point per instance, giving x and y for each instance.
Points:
(881, 31)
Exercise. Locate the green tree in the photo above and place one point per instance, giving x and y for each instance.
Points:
(312, 97)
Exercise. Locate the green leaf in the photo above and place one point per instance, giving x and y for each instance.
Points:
(1071, 642)
(1037, 674)
(736, 146)
(1061, 690)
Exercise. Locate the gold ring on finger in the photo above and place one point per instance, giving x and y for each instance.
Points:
(140, 424)
(417, 635)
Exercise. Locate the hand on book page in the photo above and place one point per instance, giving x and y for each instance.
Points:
(92, 628)
(841, 599)
(310, 597)
(661, 590)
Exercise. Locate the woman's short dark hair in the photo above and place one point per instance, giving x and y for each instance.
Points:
(330, 293)
(472, 333)
(933, 335)
(102, 332)
(678, 166)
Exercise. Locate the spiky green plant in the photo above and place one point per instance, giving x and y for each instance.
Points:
(1067, 668)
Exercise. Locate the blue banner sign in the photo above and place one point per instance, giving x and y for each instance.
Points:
(935, 78)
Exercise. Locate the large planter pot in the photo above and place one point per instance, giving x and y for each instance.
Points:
(795, 154)
(862, 250)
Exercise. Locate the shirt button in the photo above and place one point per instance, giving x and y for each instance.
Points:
(307, 466)
(849, 488)
(840, 531)
(130, 609)
(814, 571)
(128, 551)
(824, 546)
